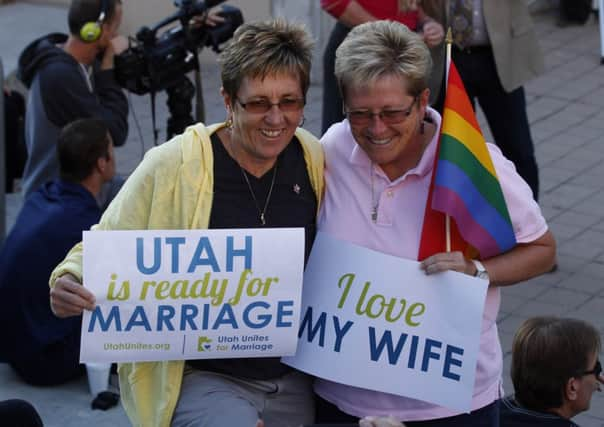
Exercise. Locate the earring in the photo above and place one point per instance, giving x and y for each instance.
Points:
(229, 123)
(302, 122)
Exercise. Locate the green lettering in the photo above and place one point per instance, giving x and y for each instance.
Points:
(146, 288)
(179, 289)
(163, 289)
(413, 313)
(124, 291)
(388, 315)
(350, 277)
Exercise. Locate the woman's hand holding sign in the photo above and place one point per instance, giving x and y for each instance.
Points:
(69, 298)
(444, 261)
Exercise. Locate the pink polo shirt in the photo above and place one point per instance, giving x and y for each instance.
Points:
(346, 214)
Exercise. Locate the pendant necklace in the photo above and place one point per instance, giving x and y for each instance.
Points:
(375, 204)
(268, 197)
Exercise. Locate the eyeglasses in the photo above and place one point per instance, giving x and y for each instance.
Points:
(262, 106)
(597, 371)
(389, 116)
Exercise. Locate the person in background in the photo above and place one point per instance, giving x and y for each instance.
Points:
(41, 348)
(378, 166)
(350, 13)
(14, 149)
(19, 413)
(66, 82)
(258, 169)
(555, 371)
(496, 52)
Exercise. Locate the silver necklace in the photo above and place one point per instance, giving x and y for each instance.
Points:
(375, 204)
(268, 197)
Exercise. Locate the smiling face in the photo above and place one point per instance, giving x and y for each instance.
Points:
(396, 147)
(257, 138)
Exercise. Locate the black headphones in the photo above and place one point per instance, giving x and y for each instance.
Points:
(91, 31)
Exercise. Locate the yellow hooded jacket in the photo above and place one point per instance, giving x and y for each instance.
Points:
(172, 188)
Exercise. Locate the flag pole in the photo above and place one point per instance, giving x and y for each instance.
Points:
(448, 43)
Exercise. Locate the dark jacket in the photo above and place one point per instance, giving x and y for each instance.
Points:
(514, 415)
(49, 224)
(59, 93)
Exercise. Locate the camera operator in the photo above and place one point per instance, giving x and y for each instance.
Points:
(72, 77)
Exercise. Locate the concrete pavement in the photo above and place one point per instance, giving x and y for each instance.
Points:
(567, 120)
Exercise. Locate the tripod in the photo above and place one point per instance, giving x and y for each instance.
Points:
(180, 99)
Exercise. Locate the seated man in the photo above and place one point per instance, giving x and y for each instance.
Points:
(555, 371)
(42, 348)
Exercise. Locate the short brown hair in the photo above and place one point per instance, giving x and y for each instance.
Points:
(81, 143)
(262, 49)
(546, 353)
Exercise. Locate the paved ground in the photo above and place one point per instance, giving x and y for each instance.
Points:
(567, 121)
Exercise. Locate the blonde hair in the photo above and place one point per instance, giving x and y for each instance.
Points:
(268, 48)
(382, 48)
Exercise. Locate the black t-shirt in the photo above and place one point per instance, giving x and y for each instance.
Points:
(292, 203)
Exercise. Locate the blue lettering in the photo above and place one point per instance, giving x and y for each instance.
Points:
(385, 341)
(205, 321)
(187, 317)
(165, 313)
(197, 260)
(264, 318)
(429, 354)
(413, 352)
(225, 317)
(175, 242)
(231, 253)
(281, 312)
(449, 360)
(138, 318)
(340, 332)
(114, 316)
(140, 263)
(312, 330)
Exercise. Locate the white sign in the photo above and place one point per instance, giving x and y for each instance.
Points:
(378, 322)
(194, 294)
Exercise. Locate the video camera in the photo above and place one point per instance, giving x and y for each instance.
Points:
(153, 63)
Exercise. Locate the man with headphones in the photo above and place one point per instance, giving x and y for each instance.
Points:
(72, 77)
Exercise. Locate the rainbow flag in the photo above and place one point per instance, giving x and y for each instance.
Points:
(465, 184)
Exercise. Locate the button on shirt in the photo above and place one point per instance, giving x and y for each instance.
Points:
(346, 214)
(480, 36)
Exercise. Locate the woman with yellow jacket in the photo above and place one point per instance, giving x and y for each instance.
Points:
(236, 174)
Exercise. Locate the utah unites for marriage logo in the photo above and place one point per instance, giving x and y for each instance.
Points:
(203, 344)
